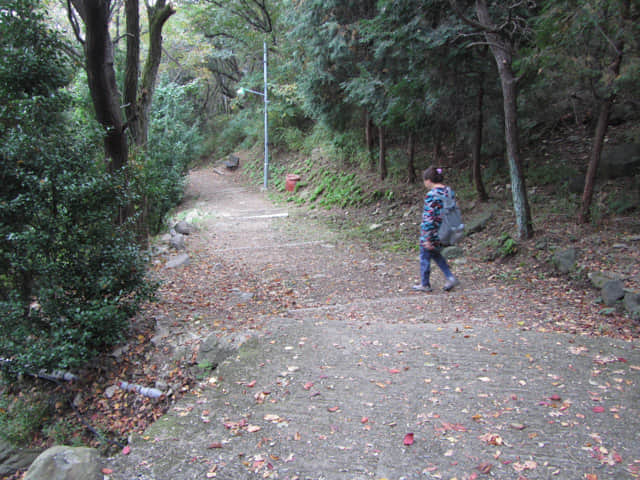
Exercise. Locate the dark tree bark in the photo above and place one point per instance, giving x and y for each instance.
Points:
(503, 54)
(501, 44)
(598, 140)
(132, 13)
(158, 14)
(382, 154)
(368, 132)
(437, 155)
(477, 143)
(102, 78)
(411, 153)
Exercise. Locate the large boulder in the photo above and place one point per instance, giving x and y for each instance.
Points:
(66, 463)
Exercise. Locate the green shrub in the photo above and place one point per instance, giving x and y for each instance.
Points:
(22, 417)
(175, 141)
(70, 276)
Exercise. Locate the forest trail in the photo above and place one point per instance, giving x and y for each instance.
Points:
(340, 371)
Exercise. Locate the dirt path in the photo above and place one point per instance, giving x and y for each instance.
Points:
(338, 361)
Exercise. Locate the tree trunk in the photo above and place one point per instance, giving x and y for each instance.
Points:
(437, 157)
(369, 135)
(598, 140)
(382, 154)
(477, 143)
(158, 15)
(132, 12)
(411, 153)
(102, 79)
(503, 54)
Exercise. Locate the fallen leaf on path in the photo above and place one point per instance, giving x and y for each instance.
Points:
(492, 439)
(408, 439)
(528, 465)
(126, 450)
(107, 471)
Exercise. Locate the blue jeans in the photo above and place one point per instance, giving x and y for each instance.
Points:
(425, 265)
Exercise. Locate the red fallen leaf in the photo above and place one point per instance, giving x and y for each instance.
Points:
(394, 370)
(215, 445)
(590, 476)
(364, 419)
(107, 471)
(485, 468)
(408, 439)
(333, 409)
(623, 360)
(555, 398)
(126, 450)
(616, 457)
(308, 385)
(251, 384)
(598, 409)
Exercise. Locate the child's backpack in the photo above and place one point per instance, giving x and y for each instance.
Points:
(451, 229)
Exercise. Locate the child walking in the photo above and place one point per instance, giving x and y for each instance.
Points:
(430, 245)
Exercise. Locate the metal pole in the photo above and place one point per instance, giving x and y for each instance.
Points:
(266, 128)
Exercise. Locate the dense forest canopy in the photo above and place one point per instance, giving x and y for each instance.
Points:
(105, 104)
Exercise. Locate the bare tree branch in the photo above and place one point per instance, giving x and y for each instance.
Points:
(74, 22)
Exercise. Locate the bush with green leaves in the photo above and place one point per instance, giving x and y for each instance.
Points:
(175, 140)
(70, 275)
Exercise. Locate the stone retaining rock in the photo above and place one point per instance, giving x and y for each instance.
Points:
(612, 291)
(179, 261)
(565, 260)
(184, 228)
(632, 304)
(66, 463)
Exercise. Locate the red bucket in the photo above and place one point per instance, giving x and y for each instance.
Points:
(290, 184)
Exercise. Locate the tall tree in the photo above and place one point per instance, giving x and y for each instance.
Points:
(503, 37)
(96, 16)
(140, 93)
(588, 51)
(101, 74)
(329, 53)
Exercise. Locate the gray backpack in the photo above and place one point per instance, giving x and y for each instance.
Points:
(451, 229)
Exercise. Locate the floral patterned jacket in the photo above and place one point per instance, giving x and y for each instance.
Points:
(431, 215)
